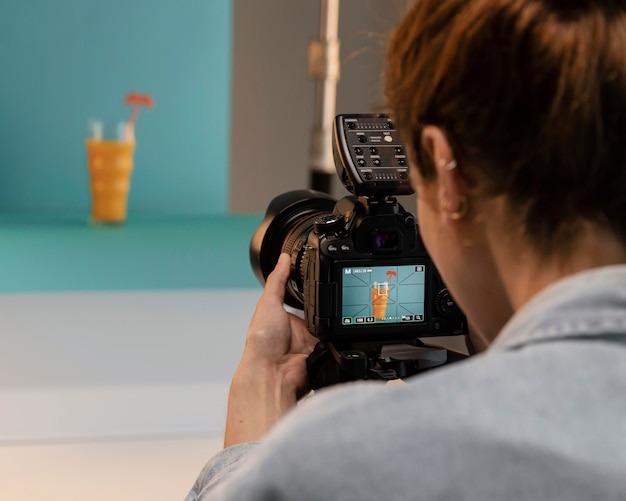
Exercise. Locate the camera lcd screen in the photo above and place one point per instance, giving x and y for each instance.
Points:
(382, 294)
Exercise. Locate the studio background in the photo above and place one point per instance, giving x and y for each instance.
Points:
(233, 101)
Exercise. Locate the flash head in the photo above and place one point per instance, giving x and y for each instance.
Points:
(369, 156)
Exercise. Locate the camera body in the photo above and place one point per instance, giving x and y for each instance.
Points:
(360, 271)
(367, 278)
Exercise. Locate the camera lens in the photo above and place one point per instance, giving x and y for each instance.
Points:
(288, 221)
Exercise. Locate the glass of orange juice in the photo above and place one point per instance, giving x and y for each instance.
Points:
(110, 163)
(380, 296)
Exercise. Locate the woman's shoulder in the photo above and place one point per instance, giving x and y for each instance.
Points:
(463, 425)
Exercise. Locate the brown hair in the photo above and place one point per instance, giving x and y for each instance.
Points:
(532, 96)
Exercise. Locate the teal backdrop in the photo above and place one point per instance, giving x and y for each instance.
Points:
(67, 61)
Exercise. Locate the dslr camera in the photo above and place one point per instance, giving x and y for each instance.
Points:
(359, 270)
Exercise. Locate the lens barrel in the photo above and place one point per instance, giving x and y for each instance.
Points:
(285, 228)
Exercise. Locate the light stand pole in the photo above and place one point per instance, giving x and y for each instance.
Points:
(324, 68)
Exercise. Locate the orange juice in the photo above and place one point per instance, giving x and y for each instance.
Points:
(380, 296)
(110, 164)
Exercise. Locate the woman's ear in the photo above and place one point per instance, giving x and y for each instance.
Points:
(450, 187)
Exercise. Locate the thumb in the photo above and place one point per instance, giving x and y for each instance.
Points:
(277, 280)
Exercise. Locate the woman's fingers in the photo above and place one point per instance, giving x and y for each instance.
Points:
(277, 280)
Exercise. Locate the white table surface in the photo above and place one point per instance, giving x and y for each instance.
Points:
(115, 395)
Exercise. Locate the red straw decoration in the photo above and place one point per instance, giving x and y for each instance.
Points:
(137, 101)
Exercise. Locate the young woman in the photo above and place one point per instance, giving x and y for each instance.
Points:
(515, 115)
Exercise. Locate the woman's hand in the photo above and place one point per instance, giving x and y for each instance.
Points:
(272, 372)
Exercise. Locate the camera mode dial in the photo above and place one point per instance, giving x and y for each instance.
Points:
(330, 224)
(445, 305)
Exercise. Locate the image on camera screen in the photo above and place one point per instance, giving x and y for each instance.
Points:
(382, 294)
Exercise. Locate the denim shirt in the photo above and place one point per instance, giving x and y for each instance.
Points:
(540, 415)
